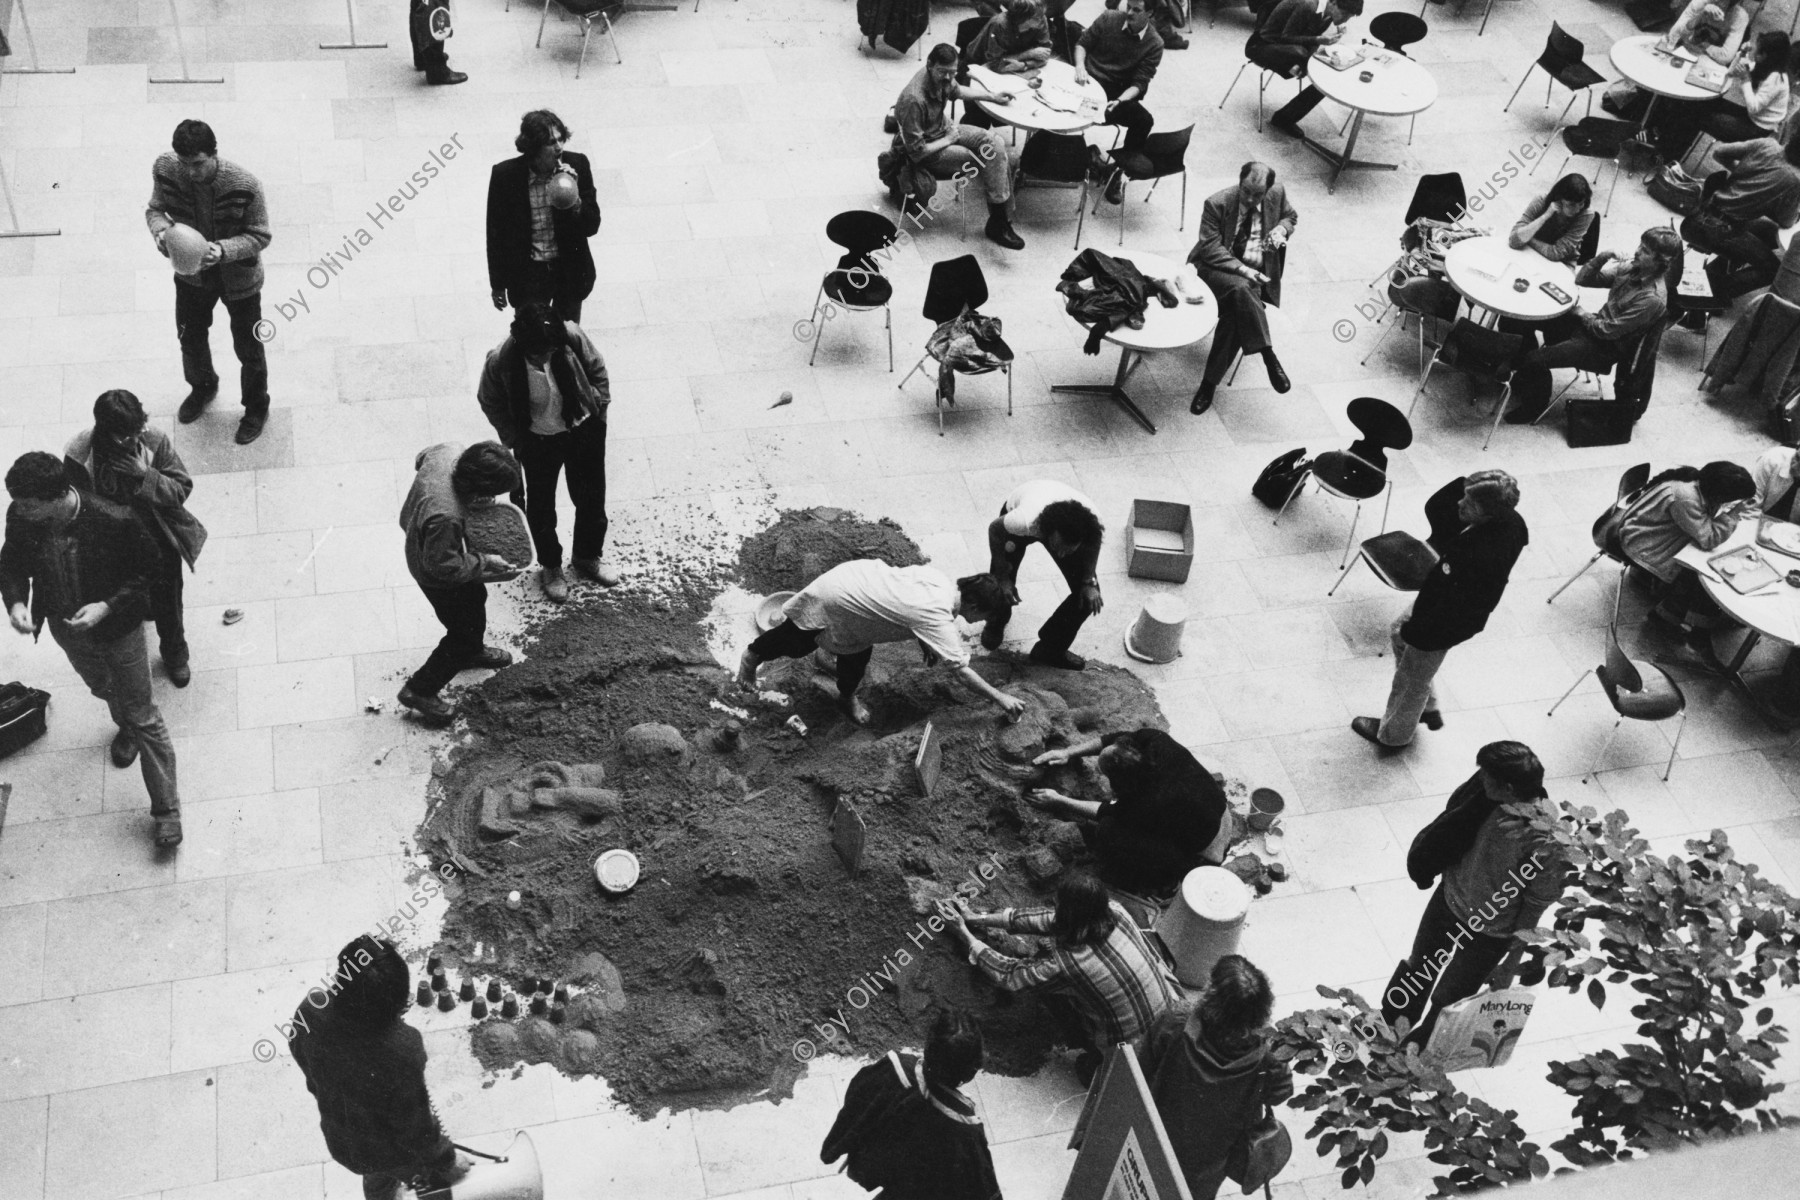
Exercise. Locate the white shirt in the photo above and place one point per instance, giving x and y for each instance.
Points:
(1020, 514)
(859, 604)
(546, 401)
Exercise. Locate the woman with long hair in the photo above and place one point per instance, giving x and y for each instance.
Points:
(1556, 223)
(1681, 507)
(1753, 103)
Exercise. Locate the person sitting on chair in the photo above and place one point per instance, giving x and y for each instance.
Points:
(1285, 39)
(1017, 42)
(1556, 223)
(1753, 104)
(1121, 51)
(928, 139)
(1739, 223)
(1243, 240)
(1679, 507)
(1636, 299)
(1714, 28)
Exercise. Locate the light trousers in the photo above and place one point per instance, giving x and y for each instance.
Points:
(1412, 693)
(118, 672)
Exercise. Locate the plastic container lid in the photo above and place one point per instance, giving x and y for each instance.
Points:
(616, 870)
(768, 613)
(1215, 895)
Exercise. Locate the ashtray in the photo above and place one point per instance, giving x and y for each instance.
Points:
(1520, 285)
(1366, 76)
(617, 871)
(1793, 578)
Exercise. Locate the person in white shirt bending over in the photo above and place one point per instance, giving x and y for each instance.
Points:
(1063, 520)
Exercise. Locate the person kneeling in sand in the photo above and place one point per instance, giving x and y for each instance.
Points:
(854, 606)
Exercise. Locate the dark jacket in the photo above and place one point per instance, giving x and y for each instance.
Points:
(1474, 563)
(509, 224)
(1120, 294)
(159, 497)
(433, 516)
(1208, 1096)
(374, 1108)
(1219, 218)
(912, 1141)
(577, 368)
(1291, 23)
(1160, 820)
(117, 558)
(899, 23)
(1118, 58)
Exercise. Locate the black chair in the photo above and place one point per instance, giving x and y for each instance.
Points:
(1599, 137)
(1422, 297)
(1162, 155)
(1440, 197)
(857, 284)
(1478, 351)
(1694, 233)
(1397, 558)
(1057, 158)
(1632, 695)
(957, 284)
(1397, 30)
(587, 12)
(1264, 75)
(1606, 531)
(1564, 61)
(1360, 472)
(1634, 369)
(1590, 241)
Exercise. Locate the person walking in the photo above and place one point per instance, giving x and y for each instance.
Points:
(1499, 874)
(537, 229)
(429, 54)
(84, 566)
(906, 1129)
(123, 460)
(191, 185)
(449, 482)
(1478, 535)
(545, 392)
(1244, 233)
(1212, 1072)
(1062, 520)
(366, 1068)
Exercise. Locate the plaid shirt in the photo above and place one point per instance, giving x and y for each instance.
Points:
(1119, 986)
(543, 231)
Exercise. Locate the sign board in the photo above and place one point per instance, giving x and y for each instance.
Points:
(928, 763)
(1125, 1153)
(848, 833)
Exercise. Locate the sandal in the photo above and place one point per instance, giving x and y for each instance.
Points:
(168, 830)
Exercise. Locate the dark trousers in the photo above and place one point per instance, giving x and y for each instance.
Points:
(1005, 552)
(1131, 116)
(551, 283)
(581, 452)
(1567, 343)
(463, 612)
(428, 53)
(1243, 323)
(1290, 63)
(788, 640)
(193, 326)
(165, 609)
(1473, 957)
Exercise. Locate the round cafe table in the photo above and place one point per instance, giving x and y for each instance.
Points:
(1772, 611)
(1397, 87)
(1056, 105)
(1658, 73)
(1484, 270)
(1164, 329)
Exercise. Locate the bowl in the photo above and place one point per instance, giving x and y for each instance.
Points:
(768, 613)
(616, 871)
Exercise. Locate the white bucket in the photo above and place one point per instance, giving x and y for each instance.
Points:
(1203, 922)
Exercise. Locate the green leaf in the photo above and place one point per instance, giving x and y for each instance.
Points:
(1350, 1177)
(1596, 992)
(1368, 1170)
(1764, 1016)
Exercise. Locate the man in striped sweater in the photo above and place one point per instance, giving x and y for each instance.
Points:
(193, 186)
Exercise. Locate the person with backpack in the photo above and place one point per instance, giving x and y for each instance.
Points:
(1213, 1074)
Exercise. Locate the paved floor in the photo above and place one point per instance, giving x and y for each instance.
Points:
(136, 991)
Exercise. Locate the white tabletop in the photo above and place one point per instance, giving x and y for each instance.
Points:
(1031, 108)
(1773, 611)
(1397, 85)
(1484, 268)
(1636, 59)
(1167, 328)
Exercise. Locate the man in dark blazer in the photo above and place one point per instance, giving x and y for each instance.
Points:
(536, 248)
(1244, 232)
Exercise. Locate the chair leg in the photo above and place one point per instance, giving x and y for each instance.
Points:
(1378, 342)
(1081, 213)
(1423, 380)
(1122, 183)
(1355, 516)
(1617, 171)
(1008, 369)
(1234, 83)
(1571, 691)
(614, 35)
(1681, 725)
(818, 326)
(1387, 505)
(587, 27)
(918, 366)
(889, 312)
(1284, 504)
(1485, 14)
(1598, 555)
(1521, 87)
(1344, 574)
(1235, 364)
(1181, 225)
(541, 22)
(1604, 747)
(1500, 412)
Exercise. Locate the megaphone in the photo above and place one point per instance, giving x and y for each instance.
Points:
(514, 1175)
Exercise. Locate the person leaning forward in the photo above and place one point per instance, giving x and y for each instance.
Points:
(536, 248)
(927, 139)
(1242, 249)
(1062, 520)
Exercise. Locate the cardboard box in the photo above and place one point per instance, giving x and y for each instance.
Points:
(1159, 542)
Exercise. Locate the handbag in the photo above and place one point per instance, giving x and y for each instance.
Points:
(1279, 478)
(1675, 190)
(21, 716)
(1599, 423)
(1260, 1154)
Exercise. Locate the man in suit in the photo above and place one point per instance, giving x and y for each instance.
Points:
(1244, 232)
(537, 248)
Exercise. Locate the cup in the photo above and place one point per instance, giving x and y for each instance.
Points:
(1520, 285)
(1366, 76)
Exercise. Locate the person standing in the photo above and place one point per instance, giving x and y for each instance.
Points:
(192, 185)
(1499, 875)
(545, 392)
(907, 1130)
(449, 482)
(1121, 51)
(1212, 1073)
(366, 1068)
(926, 138)
(429, 54)
(83, 566)
(1285, 38)
(1062, 520)
(537, 233)
(1242, 249)
(1478, 534)
(123, 460)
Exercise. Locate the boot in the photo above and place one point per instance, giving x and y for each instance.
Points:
(1000, 230)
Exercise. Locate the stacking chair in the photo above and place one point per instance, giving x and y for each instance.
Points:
(1264, 76)
(1598, 137)
(1590, 241)
(1397, 558)
(1632, 362)
(957, 284)
(1360, 472)
(857, 285)
(1563, 60)
(1422, 297)
(1606, 531)
(1481, 352)
(587, 12)
(1440, 197)
(1163, 155)
(1640, 691)
(1397, 30)
(1058, 158)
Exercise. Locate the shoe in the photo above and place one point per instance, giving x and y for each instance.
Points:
(124, 748)
(1432, 719)
(179, 673)
(1001, 233)
(447, 77)
(491, 658)
(1521, 415)
(1115, 191)
(856, 710)
(1062, 660)
(195, 404)
(1203, 398)
(992, 636)
(556, 588)
(433, 710)
(1278, 378)
(168, 830)
(598, 570)
(746, 672)
(250, 427)
(1370, 729)
(1291, 128)
(1174, 41)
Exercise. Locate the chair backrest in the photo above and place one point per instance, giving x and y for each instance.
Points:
(1590, 241)
(1440, 197)
(1167, 152)
(1633, 481)
(1609, 523)
(861, 233)
(1560, 49)
(1620, 671)
(955, 283)
(1397, 30)
(1380, 422)
(1058, 157)
(965, 33)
